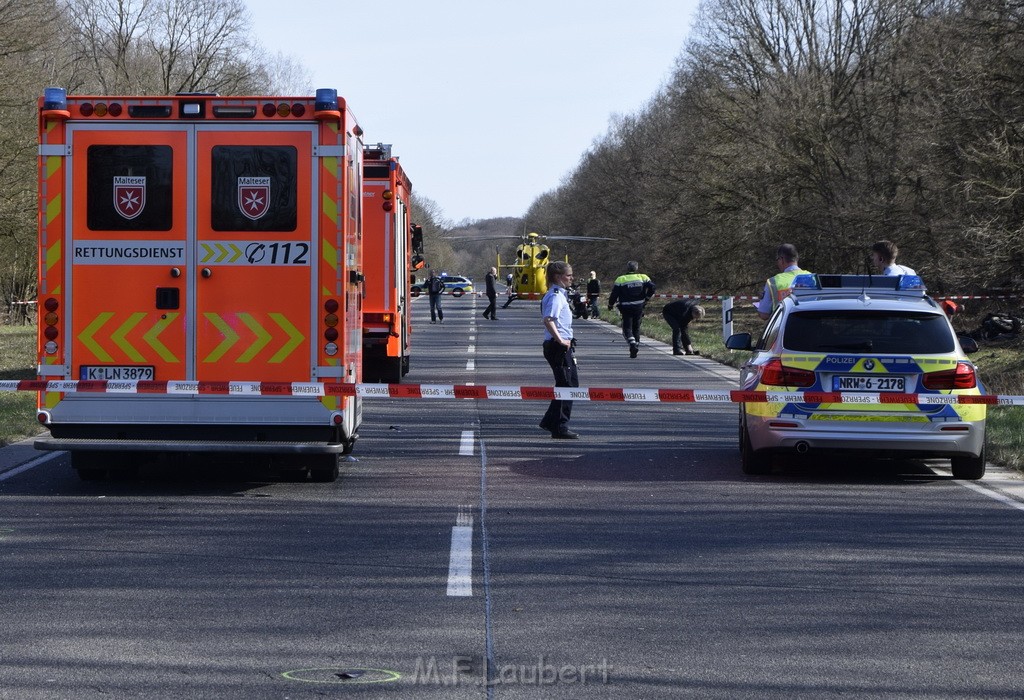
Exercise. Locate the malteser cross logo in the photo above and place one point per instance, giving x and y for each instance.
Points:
(129, 195)
(254, 196)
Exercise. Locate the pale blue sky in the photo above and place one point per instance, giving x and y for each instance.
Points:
(488, 104)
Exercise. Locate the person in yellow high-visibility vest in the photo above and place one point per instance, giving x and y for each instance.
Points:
(777, 288)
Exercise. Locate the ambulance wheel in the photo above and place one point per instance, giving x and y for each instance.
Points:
(89, 466)
(972, 468)
(753, 463)
(324, 469)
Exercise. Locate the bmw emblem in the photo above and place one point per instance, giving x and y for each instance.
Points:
(869, 364)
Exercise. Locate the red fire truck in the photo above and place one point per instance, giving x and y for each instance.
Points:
(200, 277)
(392, 251)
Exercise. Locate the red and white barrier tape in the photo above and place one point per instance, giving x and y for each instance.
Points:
(472, 391)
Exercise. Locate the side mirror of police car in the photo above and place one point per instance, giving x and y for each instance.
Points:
(741, 341)
(968, 344)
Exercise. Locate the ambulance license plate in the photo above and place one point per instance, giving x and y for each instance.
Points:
(861, 382)
(117, 372)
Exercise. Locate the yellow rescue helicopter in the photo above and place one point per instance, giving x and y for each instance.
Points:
(528, 270)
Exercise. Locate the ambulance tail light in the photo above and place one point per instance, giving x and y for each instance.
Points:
(775, 374)
(389, 202)
(51, 319)
(379, 317)
(331, 321)
(962, 377)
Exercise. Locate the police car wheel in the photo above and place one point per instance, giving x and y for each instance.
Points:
(971, 468)
(457, 292)
(753, 463)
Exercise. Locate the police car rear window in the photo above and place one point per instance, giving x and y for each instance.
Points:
(867, 331)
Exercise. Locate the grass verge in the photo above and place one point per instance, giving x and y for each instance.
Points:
(17, 361)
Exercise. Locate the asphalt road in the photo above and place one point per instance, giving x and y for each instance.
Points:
(465, 554)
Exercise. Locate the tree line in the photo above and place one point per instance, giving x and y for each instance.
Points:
(829, 124)
(825, 123)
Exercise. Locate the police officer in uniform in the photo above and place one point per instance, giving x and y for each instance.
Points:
(558, 348)
(632, 291)
(777, 288)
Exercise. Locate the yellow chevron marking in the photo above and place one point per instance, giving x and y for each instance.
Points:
(295, 336)
(152, 337)
(54, 208)
(230, 337)
(330, 255)
(52, 398)
(330, 208)
(237, 251)
(124, 329)
(223, 252)
(53, 165)
(86, 336)
(262, 337)
(53, 255)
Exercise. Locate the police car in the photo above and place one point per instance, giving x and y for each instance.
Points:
(848, 348)
(456, 285)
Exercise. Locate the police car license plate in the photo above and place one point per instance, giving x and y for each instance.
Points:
(117, 372)
(860, 382)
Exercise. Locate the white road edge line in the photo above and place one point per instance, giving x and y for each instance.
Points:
(1006, 500)
(466, 444)
(27, 465)
(460, 561)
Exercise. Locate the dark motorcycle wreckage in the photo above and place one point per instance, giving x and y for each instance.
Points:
(579, 305)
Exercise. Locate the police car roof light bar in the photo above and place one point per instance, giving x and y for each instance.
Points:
(843, 284)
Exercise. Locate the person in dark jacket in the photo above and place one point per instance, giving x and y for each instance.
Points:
(632, 291)
(678, 314)
(593, 292)
(435, 288)
(492, 294)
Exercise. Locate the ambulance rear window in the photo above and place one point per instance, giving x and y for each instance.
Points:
(129, 188)
(906, 333)
(254, 188)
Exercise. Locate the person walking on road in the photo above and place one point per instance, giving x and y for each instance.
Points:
(435, 288)
(632, 291)
(883, 257)
(510, 291)
(492, 294)
(678, 314)
(777, 288)
(559, 348)
(593, 292)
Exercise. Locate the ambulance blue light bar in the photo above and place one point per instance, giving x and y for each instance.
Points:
(55, 98)
(326, 100)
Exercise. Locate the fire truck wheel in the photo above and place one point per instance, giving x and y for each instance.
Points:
(325, 469)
